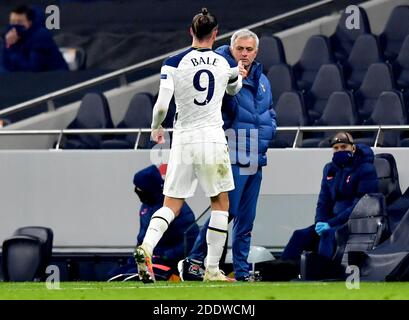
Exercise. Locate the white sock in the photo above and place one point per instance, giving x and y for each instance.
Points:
(157, 226)
(216, 238)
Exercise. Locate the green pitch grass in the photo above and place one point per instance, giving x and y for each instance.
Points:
(203, 291)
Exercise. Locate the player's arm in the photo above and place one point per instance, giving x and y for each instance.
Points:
(161, 107)
(235, 81)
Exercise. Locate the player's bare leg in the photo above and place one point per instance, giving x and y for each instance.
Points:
(158, 225)
(216, 237)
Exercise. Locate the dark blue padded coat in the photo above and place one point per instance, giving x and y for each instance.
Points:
(341, 188)
(251, 108)
(171, 246)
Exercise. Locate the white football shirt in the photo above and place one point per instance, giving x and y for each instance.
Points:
(198, 78)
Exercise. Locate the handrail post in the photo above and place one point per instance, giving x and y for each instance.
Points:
(138, 137)
(379, 137)
(298, 138)
(57, 146)
(123, 81)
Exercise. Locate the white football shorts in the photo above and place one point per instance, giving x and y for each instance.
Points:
(207, 163)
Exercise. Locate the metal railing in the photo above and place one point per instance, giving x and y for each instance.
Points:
(122, 73)
(62, 132)
(298, 138)
(379, 129)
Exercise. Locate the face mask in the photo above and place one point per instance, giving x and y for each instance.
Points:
(146, 197)
(21, 30)
(342, 158)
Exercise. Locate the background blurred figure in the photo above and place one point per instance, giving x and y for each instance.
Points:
(28, 45)
(170, 249)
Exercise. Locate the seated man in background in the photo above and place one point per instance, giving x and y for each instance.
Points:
(170, 249)
(350, 175)
(28, 45)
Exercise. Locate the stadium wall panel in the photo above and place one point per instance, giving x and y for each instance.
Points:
(87, 197)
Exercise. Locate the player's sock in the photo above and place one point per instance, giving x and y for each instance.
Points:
(157, 226)
(216, 238)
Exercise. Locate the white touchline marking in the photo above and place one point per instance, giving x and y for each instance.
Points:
(182, 286)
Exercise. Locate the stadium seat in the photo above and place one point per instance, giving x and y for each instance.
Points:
(366, 227)
(281, 80)
(339, 111)
(390, 260)
(394, 33)
(138, 115)
(328, 80)
(316, 53)
(378, 79)
(388, 177)
(388, 110)
(342, 40)
(93, 113)
(27, 254)
(271, 52)
(397, 209)
(401, 66)
(365, 52)
(290, 112)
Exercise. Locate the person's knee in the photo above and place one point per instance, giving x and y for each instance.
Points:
(174, 204)
(220, 202)
(242, 229)
(299, 234)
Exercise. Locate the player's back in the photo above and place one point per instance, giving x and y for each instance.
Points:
(200, 77)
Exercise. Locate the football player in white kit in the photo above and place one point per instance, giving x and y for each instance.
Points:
(198, 78)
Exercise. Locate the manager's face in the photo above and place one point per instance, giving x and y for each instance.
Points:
(244, 49)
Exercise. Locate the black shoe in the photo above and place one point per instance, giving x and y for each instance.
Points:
(191, 270)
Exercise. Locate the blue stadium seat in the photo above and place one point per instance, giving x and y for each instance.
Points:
(394, 33)
(388, 177)
(281, 80)
(93, 113)
(404, 142)
(138, 115)
(388, 110)
(342, 40)
(339, 111)
(271, 52)
(329, 79)
(365, 52)
(378, 79)
(316, 53)
(290, 112)
(401, 66)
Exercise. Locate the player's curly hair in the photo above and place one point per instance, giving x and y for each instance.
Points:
(203, 24)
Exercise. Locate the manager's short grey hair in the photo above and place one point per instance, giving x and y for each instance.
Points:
(243, 33)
